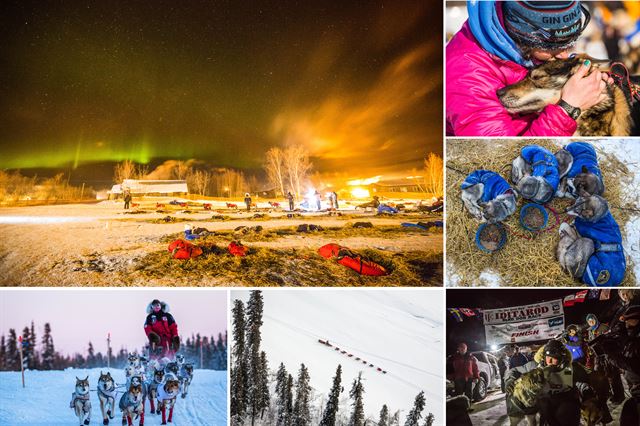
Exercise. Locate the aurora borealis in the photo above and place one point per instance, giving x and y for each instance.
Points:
(359, 83)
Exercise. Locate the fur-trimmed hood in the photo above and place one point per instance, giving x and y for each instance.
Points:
(539, 355)
(164, 305)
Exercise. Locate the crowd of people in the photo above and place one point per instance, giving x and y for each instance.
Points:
(586, 366)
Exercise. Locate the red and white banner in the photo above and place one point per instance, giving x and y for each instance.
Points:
(539, 321)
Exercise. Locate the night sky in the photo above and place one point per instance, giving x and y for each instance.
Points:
(357, 82)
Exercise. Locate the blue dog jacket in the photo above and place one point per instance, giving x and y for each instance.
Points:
(583, 155)
(543, 163)
(606, 267)
(494, 184)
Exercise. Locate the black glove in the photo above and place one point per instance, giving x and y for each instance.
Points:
(175, 343)
(153, 338)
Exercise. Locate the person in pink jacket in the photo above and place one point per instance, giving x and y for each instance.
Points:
(496, 46)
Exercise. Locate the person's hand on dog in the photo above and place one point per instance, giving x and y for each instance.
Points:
(584, 91)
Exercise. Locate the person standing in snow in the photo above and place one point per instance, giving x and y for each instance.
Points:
(247, 201)
(290, 199)
(161, 330)
(465, 371)
(127, 199)
(497, 46)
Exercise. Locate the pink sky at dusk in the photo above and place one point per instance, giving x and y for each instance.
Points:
(79, 316)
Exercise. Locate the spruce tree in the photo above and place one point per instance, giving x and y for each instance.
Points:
(48, 351)
(252, 354)
(289, 398)
(301, 411)
(265, 397)
(416, 412)
(331, 410)
(33, 358)
(430, 419)
(12, 357)
(239, 369)
(384, 416)
(282, 418)
(357, 394)
(3, 354)
(91, 356)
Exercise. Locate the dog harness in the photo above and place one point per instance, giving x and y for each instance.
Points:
(127, 404)
(583, 155)
(163, 395)
(494, 184)
(606, 267)
(86, 407)
(109, 393)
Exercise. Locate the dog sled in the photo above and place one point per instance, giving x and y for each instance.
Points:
(351, 260)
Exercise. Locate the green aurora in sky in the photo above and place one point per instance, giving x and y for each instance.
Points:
(358, 83)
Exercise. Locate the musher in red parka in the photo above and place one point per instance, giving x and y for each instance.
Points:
(161, 330)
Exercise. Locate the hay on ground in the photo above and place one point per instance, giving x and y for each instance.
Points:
(527, 258)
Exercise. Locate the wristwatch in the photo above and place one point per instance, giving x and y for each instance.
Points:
(571, 110)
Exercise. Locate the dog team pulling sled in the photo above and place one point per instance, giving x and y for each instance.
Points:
(158, 378)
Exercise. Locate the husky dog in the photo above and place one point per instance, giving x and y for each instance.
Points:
(157, 379)
(132, 405)
(579, 170)
(591, 250)
(80, 401)
(487, 196)
(185, 376)
(106, 395)
(543, 86)
(172, 367)
(590, 208)
(133, 360)
(535, 174)
(591, 412)
(167, 394)
(523, 400)
(179, 359)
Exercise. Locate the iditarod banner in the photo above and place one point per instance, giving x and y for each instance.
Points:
(516, 324)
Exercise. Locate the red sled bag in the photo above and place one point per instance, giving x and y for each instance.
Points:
(184, 250)
(352, 260)
(237, 249)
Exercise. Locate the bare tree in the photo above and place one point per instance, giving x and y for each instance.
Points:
(182, 170)
(297, 167)
(124, 170)
(275, 168)
(199, 180)
(433, 174)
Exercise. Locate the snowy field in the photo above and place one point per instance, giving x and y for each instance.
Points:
(45, 400)
(400, 331)
(54, 240)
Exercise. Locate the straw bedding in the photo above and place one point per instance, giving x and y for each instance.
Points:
(528, 258)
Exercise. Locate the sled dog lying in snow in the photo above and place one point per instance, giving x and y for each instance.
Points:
(543, 86)
(185, 377)
(132, 404)
(106, 395)
(80, 401)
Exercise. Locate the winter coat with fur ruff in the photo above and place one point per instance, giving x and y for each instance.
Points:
(161, 323)
(473, 77)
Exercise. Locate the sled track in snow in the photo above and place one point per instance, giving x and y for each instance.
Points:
(353, 349)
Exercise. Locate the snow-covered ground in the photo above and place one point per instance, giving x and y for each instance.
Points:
(399, 331)
(45, 400)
